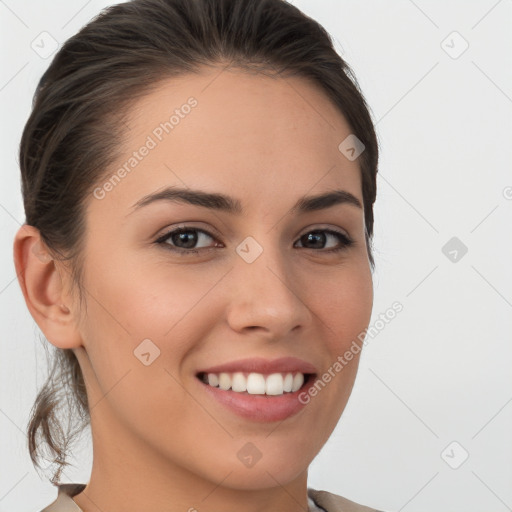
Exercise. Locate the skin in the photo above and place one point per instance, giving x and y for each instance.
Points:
(160, 443)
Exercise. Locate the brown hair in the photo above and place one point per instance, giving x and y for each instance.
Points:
(76, 126)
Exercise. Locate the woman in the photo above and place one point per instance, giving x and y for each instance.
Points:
(198, 181)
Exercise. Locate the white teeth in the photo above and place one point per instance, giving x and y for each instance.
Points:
(213, 379)
(298, 380)
(239, 382)
(274, 384)
(224, 381)
(288, 382)
(257, 383)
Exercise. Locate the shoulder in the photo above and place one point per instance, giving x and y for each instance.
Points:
(64, 501)
(328, 501)
(334, 503)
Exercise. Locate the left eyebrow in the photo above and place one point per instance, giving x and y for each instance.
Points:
(326, 200)
(221, 202)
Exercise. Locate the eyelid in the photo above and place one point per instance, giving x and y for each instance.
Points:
(323, 226)
(210, 231)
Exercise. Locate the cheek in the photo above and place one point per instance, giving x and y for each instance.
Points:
(344, 310)
(136, 339)
(146, 314)
(150, 401)
(145, 300)
(343, 301)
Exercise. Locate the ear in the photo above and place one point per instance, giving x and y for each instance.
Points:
(43, 288)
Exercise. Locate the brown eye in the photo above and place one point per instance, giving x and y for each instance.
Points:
(318, 238)
(184, 240)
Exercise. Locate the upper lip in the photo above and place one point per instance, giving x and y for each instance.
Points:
(262, 365)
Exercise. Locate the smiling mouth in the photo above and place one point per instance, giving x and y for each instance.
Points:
(253, 383)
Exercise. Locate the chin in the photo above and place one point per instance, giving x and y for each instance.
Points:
(264, 475)
(265, 467)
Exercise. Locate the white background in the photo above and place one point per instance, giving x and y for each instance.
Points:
(441, 370)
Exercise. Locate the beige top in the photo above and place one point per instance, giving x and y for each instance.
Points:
(318, 501)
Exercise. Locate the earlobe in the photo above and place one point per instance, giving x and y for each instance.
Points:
(43, 290)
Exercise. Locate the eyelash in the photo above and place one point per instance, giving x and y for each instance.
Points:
(346, 242)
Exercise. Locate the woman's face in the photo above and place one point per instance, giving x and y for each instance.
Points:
(239, 283)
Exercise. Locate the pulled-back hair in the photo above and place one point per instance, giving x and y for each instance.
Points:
(75, 130)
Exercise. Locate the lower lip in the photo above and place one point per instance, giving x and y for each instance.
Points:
(260, 408)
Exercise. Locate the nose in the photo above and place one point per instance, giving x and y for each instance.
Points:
(266, 297)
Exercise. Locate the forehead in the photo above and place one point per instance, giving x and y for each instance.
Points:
(228, 129)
